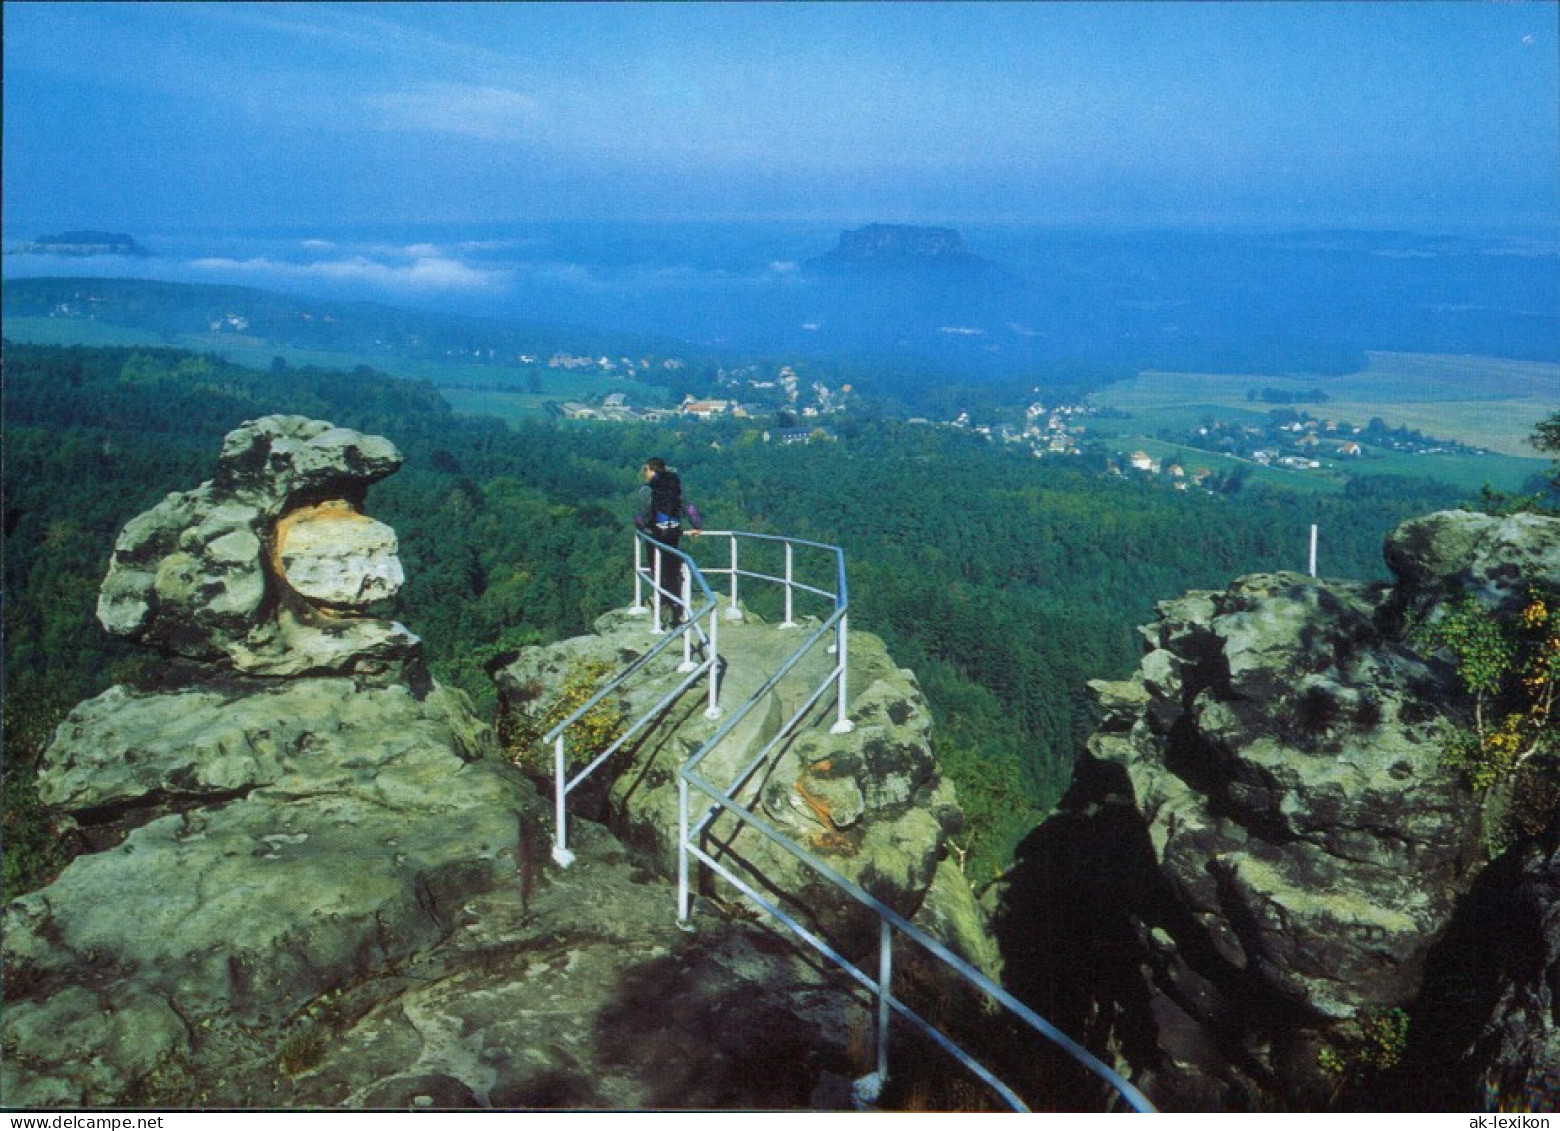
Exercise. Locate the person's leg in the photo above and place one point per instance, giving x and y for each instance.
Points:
(671, 576)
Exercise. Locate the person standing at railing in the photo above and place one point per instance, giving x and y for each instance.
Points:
(665, 509)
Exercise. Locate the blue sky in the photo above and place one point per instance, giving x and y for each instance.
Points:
(137, 116)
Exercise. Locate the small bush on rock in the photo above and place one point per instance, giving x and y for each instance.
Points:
(1511, 667)
(522, 732)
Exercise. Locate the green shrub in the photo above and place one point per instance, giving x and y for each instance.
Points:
(522, 732)
(1510, 666)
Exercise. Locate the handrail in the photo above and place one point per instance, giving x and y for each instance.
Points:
(691, 832)
(563, 785)
(724, 801)
(890, 921)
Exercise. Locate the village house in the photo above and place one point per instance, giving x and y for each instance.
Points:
(705, 410)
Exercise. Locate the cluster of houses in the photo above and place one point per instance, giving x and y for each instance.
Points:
(620, 367)
(786, 389)
(1180, 478)
(784, 392)
(1295, 443)
(234, 323)
(1058, 430)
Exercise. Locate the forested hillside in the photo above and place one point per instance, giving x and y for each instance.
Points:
(1005, 582)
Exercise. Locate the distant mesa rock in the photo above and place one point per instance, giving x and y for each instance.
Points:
(83, 244)
(1262, 856)
(898, 247)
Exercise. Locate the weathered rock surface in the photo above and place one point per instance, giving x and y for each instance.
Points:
(198, 575)
(1495, 558)
(1262, 858)
(870, 803)
(309, 879)
(1517, 1050)
(582, 992)
(254, 844)
(336, 557)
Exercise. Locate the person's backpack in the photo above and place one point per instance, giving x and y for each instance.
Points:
(666, 502)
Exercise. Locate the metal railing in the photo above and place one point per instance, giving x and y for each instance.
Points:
(693, 625)
(890, 922)
(720, 801)
(692, 834)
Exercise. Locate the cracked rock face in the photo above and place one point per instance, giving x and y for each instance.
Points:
(292, 808)
(1287, 857)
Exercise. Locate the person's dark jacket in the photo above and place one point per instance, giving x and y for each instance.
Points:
(665, 505)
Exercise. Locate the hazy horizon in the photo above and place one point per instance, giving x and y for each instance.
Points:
(144, 117)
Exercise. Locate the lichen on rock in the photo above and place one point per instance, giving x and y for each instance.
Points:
(1287, 854)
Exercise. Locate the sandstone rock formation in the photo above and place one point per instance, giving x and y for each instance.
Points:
(1254, 890)
(307, 877)
(871, 803)
(290, 808)
(252, 571)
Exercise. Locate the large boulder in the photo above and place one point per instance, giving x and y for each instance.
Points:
(1496, 558)
(1289, 862)
(288, 808)
(269, 568)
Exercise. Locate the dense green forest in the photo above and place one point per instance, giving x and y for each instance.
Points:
(1005, 583)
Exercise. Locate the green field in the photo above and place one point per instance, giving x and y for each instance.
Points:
(78, 332)
(507, 392)
(1486, 402)
(1483, 402)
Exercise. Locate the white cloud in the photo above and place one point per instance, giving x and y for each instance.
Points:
(423, 273)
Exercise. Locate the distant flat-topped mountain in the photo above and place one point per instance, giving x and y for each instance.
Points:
(900, 246)
(86, 243)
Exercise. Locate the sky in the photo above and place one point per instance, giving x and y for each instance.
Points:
(136, 116)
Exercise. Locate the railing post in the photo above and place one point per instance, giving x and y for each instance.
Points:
(842, 723)
(885, 991)
(560, 852)
(682, 851)
(655, 589)
(686, 617)
(733, 611)
(713, 710)
(638, 608)
(789, 622)
(869, 1089)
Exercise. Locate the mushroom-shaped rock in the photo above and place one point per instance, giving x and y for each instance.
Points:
(192, 576)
